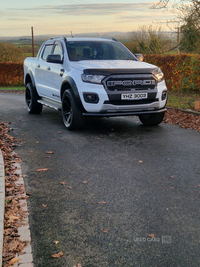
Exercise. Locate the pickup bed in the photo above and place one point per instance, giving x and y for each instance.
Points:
(93, 77)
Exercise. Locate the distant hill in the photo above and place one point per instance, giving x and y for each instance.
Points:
(121, 36)
(42, 38)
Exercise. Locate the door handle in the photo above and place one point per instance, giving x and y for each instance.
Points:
(62, 72)
(38, 66)
(48, 68)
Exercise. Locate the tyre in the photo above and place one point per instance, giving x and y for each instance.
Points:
(71, 114)
(31, 98)
(152, 119)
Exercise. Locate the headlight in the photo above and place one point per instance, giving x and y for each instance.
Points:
(89, 78)
(158, 74)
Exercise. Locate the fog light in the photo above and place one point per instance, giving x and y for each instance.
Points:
(91, 98)
(164, 95)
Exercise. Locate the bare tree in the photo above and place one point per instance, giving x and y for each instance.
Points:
(149, 40)
(188, 15)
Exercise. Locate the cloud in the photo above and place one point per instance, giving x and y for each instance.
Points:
(147, 15)
(133, 17)
(91, 9)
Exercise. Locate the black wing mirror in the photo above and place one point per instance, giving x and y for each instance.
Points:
(54, 59)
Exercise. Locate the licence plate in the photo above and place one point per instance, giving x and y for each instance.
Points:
(133, 96)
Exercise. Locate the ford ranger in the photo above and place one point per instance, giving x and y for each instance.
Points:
(93, 77)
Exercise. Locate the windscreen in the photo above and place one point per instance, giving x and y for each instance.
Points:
(98, 50)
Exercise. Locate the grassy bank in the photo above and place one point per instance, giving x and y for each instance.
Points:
(182, 100)
(175, 99)
(17, 88)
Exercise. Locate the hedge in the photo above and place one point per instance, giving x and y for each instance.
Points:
(11, 74)
(181, 71)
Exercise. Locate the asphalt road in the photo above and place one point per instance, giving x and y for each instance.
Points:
(148, 178)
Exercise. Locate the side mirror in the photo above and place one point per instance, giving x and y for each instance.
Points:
(139, 57)
(54, 59)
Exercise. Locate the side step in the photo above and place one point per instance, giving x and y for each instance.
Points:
(50, 104)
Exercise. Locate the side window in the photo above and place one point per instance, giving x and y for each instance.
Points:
(47, 51)
(39, 52)
(58, 50)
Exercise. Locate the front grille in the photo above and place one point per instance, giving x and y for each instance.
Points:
(131, 82)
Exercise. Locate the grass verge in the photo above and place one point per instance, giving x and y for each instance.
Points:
(182, 100)
(17, 88)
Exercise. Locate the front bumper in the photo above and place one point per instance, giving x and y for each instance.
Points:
(124, 113)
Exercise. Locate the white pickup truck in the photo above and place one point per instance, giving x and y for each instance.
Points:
(93, 77)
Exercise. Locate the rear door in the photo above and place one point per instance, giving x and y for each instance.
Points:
(55, 73)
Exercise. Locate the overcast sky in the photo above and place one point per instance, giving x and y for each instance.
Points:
(59, 17)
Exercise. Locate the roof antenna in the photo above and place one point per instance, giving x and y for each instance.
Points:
(72, 34)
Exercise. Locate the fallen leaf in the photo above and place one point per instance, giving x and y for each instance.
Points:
(97, 138)
(63, 183)
(182, 119)
(9, 185)
(43, 205)
(37, 142)
(24, 197)
(105, 231)
(58, 255)
(102, 202)
(18, 160)
(59, 132)
(14, 260)
(8, 231)
(25, 176)
(140, 161)
(171, 176)
(13, 218)
(31, 151)
(47, 156)
(49, 152)
(198, 185)
(151, 235)
(84, 182)
(40, 170)
(69, 187)
(56, 242)
(171, 187)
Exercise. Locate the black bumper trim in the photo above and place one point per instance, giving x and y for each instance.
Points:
(128, 113)
(118, 102)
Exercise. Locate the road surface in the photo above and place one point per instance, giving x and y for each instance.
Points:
(130, 195)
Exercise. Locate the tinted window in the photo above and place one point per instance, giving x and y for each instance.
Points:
(39, 52)
(47, 51)
(97, 50)
(58, 50)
